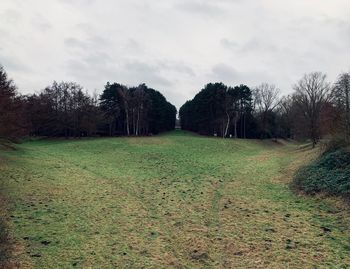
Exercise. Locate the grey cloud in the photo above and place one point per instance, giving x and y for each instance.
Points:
(11, 16)
(176, 46)
(227, 74)
(78, 2)
(72, 42)
(224, 73)
(178, 67)
(133, 45)
(13, 64)
(257, 45)
(147, 73)
(87, 28)
(93, 65)
(228, 44)
(41, 23)
(92, 42)
(200, 7)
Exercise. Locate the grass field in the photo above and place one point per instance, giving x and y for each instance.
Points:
(170, 201)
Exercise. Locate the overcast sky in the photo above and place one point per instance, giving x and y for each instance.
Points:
(174, 46)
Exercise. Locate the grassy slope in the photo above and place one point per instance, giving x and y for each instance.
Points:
(172, 201)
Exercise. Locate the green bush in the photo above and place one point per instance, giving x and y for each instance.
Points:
(334, 144)
(329, 174)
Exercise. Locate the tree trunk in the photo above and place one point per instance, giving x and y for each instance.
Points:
(236, 120)
(347, 110)
(127, 120)
(314, 137)
(235, 131)
(137, 122)
(227, 124)
(244, 124)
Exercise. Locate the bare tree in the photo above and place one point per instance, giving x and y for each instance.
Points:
(341, 95)
(266, 100)
(266, 97)
(311, 94)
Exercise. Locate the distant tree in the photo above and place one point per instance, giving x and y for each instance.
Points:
(111, 105)
(141, 103)
(231, 108)
(266, 100)
(208, 112)
(285, 117)
(62, 109)
(124, 93)
(137, 110)
(312, 92)
(161, 113)
(341, 97)
(266, 97)
(12, 117)
(240, 104)
(216, 109)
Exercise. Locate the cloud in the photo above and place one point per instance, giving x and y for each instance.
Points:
(78, 2)
(41, 23)
(72, 42)
(145, 73)
(11, 16)
(177, 67)
(200, 7)
(176, 46)
(228, 44)
(12, 63)
(224, 73)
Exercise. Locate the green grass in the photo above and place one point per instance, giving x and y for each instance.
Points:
(169, 201)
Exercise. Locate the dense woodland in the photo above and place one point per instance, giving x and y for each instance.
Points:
(315, 109)
(65, 110)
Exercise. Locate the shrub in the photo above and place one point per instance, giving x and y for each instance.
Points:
(336, 143)
(329, 174)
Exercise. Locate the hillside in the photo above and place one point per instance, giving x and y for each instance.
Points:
(169, 201)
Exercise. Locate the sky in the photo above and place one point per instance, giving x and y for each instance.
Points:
(174, 46)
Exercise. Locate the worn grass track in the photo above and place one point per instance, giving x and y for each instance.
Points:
(171, 201)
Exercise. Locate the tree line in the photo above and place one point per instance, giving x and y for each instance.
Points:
(315, 109)
(64, 109)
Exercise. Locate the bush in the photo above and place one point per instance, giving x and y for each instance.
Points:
(329, 174)
(334, 144)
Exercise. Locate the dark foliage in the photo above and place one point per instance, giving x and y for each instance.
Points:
(12, 117)
(219, 110)
(62, 109)
(136, 111)
(329, 174)
(240, 112)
